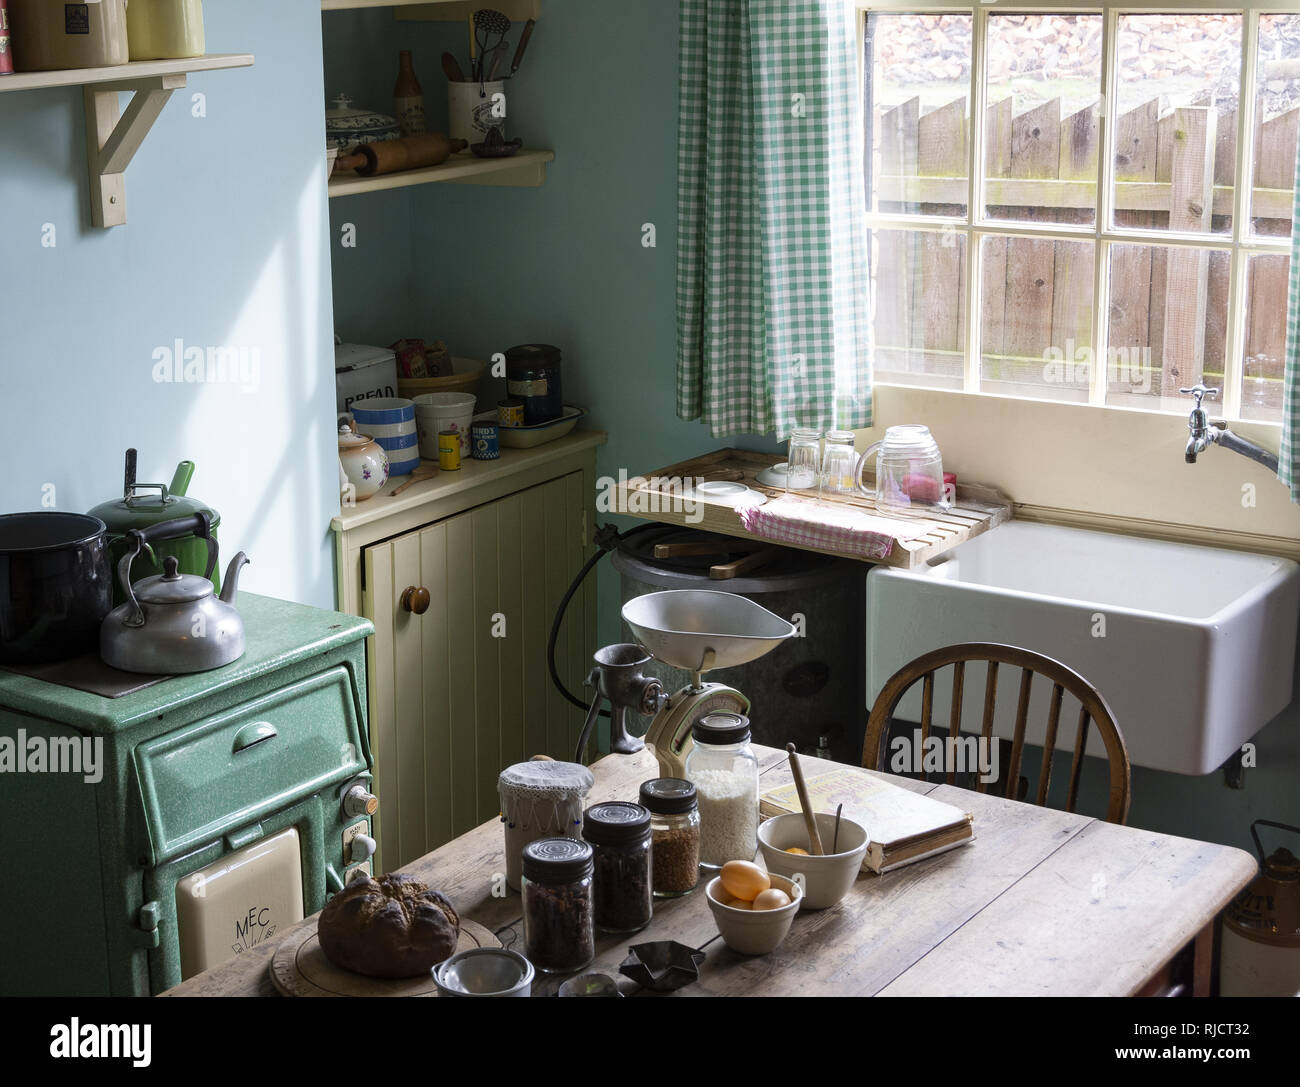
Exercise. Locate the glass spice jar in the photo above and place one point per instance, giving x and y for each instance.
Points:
(674, 835)
(619, 834)
(557, 888)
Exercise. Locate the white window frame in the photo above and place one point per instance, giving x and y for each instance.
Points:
(1239, 243)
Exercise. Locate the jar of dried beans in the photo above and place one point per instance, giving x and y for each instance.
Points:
(619, 834)
(674, 833)
(557, 888)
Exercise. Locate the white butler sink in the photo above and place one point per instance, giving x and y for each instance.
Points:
(1192, 647)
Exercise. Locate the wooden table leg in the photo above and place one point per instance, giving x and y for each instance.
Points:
(1202, 960)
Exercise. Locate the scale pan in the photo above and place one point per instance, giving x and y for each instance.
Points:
(679, 626)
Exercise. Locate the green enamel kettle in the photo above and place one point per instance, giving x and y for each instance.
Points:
(143, 505)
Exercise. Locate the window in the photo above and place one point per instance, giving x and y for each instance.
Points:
(1080, 203)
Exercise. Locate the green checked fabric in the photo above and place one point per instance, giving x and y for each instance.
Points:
(772, 303)
(1286, 466)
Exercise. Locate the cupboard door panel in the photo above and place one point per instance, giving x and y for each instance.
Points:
(408, 700)
(511, 653)
(536, 623)
(462, 668)
(464, 690)
(488, 676)
(379, 606)
(434, 680)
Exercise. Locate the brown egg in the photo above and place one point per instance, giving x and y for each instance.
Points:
(744, 879)
(771, 899)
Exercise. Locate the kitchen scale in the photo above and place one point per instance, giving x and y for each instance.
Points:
(693, 629)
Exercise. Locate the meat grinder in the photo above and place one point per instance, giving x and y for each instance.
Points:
(693, 629)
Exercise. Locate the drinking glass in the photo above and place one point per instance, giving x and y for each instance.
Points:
(839, 463)
(804, 460)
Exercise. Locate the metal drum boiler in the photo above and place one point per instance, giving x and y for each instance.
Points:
(809, 688)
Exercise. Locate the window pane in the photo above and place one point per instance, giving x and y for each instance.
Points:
(920, 307)
(1036, 324)
(1277, 110)
(920, 80)
(1176, 133)
(1266, 291)
(1044, 87)
(1168, 322)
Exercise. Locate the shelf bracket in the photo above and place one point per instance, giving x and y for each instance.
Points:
(113, 137)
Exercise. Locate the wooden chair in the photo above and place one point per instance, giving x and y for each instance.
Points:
(1093, 708)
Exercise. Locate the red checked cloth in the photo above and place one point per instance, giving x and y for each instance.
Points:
(804, 522)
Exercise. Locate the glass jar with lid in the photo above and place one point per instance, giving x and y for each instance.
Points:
(675, 835)
(619, 835)
(557, 887)
(724, 770)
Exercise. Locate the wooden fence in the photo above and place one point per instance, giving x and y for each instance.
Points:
(1174, 170)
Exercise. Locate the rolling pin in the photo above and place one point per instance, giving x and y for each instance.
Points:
(408, 153)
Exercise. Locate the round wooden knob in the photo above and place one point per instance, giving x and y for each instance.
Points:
(415, 600)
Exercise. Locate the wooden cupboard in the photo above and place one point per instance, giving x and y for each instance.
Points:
(458, 681)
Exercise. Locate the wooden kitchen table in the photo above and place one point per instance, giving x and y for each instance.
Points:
(1041, 903)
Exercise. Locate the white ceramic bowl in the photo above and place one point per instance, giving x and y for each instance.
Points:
(754, 932)
(826, 879)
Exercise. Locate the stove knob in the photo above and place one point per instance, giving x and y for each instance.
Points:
(356, 801)
(363, 848)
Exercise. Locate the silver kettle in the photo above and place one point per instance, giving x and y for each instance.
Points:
(173, 623)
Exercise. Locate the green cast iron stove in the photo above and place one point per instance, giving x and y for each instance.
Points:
(200, 779)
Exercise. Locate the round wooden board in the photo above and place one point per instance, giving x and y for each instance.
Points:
(300, 968)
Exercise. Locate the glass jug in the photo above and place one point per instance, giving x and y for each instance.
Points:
(909, 472)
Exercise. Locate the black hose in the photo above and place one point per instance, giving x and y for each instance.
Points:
(607, 539)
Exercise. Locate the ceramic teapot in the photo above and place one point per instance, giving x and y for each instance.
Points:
(363, 465)
(174, 623)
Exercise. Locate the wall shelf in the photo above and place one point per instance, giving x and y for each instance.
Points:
(526, 169)
(113, 136)
(451, 11)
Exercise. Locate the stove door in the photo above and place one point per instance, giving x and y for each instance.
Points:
(242, 900)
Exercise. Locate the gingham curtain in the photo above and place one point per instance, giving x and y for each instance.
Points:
(1287, 467)
(772, 321)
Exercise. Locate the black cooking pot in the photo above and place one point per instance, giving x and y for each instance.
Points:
(56, 585)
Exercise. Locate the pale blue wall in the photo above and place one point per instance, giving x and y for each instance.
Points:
(224, 246)
(490, 267)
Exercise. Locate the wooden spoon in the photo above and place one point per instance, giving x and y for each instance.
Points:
(810, 820)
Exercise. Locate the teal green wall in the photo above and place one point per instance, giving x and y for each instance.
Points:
(490, 267)
(224, 246)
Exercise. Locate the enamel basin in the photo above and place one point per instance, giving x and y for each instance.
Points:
(1192, 647)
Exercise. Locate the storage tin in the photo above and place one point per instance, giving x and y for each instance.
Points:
(484, 441)
(448, 450)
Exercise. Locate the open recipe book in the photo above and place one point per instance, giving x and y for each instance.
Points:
(901, 826)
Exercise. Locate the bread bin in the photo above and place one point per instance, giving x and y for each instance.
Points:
(49, 35)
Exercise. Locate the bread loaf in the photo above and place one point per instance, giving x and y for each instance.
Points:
(390, 927)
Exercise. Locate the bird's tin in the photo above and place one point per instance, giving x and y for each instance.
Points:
(448, 450)
(484, 441)
(510, 412)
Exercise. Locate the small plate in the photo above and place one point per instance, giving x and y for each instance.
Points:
(772, 477)
(723, 493)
